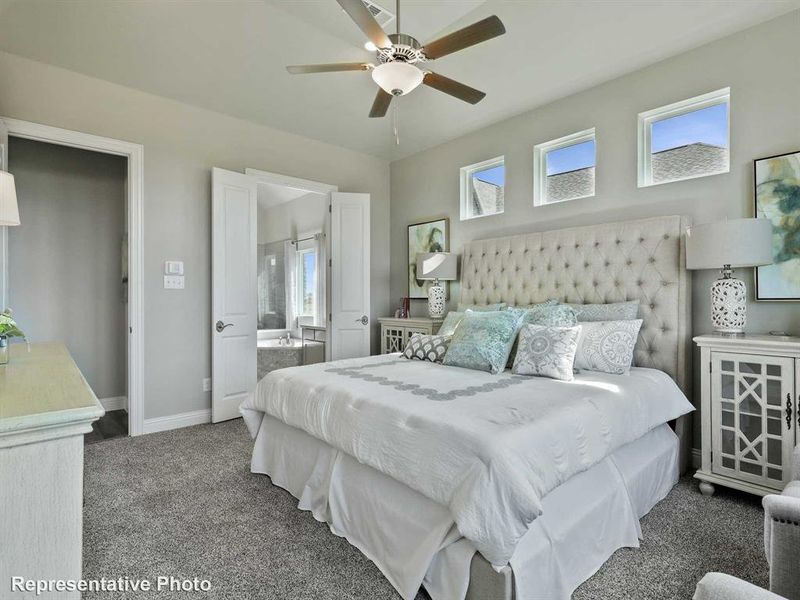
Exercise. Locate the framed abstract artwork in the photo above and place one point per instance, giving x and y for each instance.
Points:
(430, 236)
(777, 198)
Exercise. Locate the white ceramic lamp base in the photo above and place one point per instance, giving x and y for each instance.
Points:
(729, 305)
(436, 301)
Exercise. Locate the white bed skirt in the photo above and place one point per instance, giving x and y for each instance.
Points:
(414, 541)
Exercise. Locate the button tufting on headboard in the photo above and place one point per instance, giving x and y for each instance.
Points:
(641, 259)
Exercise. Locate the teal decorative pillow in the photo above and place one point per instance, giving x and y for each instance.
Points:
(547, 315)
(427, 347)
(451, 321)
(547, 351)
(483, 340)
(615, 311)
(482, 307)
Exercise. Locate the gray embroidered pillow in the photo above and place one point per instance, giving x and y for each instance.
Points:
(427, 347)
(451, 321)
(546, 351)
(607, 346)
(549, 315)
(615, 311)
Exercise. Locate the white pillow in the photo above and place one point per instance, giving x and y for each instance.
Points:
(607, 346)
(546, 351)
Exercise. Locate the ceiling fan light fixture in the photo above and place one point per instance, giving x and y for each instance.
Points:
(370, 47)
(397, 78)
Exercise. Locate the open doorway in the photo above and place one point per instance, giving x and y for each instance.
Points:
(63, 175)
(66, 278)
(292, 276)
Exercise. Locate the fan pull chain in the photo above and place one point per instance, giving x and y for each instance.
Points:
(395, 127)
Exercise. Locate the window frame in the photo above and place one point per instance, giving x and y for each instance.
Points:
(465, 177)
(676, 109)
(299, 266)
(540, 152)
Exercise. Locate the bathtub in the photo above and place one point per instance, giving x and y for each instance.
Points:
(272, 355)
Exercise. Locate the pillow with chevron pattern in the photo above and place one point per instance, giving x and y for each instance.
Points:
(427, 347)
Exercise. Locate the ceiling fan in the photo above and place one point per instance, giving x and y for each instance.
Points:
(400, 57)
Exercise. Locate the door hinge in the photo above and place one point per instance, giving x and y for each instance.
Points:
(330, 316)
(330, 262)
(330, 208)
(710, 367)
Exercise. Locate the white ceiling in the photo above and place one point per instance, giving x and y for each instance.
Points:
(230, 56)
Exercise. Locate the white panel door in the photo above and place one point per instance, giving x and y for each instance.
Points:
(350, 326)
(234, 294)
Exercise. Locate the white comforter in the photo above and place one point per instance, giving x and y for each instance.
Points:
(488, 447)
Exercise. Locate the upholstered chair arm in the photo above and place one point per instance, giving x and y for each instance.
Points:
(718, 586)
(782, 544)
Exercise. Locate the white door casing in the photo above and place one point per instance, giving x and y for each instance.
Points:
(3, 230)
(234, 293)
(350, 275)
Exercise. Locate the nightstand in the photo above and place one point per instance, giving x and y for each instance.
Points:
(395, 333)
(749, 411)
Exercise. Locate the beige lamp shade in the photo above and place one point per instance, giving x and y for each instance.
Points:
(436, 265)
(737, 242)
(9, 213)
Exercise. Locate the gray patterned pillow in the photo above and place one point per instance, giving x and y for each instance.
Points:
(615, 311)
(483, 340)
(548, 315)
(427, 347)
(607, 346)
(547, 351)
(482, 307)
(451, 321)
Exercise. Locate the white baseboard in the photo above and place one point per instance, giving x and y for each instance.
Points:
(696, 458)
(187, 419)
(115, 403)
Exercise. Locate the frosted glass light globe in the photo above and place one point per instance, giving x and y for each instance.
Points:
(397, 78)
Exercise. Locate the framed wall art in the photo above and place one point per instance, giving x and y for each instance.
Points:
(430, 236)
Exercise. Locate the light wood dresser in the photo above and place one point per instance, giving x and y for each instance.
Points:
(46, 407)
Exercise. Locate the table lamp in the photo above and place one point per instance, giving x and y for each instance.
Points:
(726, 245)
(436, 266)
(9, 211)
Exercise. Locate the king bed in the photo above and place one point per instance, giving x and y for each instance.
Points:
(503, 486)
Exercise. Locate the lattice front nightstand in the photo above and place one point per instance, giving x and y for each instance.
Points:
(396, 332)
(749, 411)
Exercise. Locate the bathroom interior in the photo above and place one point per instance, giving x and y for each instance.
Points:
(292, 269)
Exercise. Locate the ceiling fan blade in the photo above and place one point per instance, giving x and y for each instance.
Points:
(454, 88)
(366, 22)
(476, 33)
(329, 68)
(381, 104)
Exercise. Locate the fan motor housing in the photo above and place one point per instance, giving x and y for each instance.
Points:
(404, 49)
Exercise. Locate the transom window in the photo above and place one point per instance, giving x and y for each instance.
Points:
(483, 188)
(564, 169)
(685, 140)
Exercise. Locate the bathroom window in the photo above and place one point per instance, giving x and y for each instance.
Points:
(306, 282)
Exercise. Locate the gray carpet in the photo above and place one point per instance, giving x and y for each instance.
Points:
(184, 503)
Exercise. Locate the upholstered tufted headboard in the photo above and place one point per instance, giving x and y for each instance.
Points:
(632, 260)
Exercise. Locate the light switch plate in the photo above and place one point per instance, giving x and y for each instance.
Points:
(173, 267)
(173, 282)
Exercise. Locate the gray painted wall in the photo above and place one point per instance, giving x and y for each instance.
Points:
(181, 145)
(762, 67)
(289, 219)
(65, 278)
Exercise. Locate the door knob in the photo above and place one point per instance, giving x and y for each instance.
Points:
(220, 326)
(364, 320)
